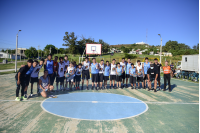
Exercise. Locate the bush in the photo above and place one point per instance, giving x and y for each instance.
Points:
(130, 56)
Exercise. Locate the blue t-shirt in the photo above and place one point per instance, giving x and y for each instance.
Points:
(94, 70)
(107, 71)
(132, 71)
(30, 71)
(128, 66)
(49, 66)
(146, 67)
(119, 71)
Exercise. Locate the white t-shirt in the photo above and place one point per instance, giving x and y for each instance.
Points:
(36, 70)
(71, 71)
(61, 69)
(86, 65)
(101, 68)
(113, 69)
(123, 65)
(138, 69)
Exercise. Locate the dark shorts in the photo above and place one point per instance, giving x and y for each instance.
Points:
(118, 78)
(123, 75)
(33, 80)
(132, 80)
(106, 78)
(74, 78)
(152, 78)
(27, 80)
(60, 79)
(127, 75)
(85, 74)
(145, 77)
(51, 76)
(95, 77)
(101, 77)
(112, 77)
(78, 78)
(139, 79)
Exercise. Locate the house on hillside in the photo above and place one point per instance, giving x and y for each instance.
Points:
(151, 53)
(8, 56)
(132, 51)
(167, 54)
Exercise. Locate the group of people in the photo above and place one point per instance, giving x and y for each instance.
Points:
(69, 73)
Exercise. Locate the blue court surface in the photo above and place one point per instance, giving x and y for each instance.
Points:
(94, 106)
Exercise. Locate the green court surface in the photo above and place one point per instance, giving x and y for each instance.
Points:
(176, 112)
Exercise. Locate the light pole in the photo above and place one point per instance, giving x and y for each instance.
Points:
(16, 52)
(160, 47)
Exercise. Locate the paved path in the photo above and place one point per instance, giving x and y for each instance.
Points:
(7, 70)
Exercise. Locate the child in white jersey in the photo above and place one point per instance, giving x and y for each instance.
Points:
(140, 74)
(85, 73)
(70, 77)
(101, 71)
(60, 74)
(78, 75)
(113, 73)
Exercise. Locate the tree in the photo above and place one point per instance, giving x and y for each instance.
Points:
(194, 47)
(126, 50)
(104, 46)
(49, 47)
(70, 42)
(62, 50)
(28, 53)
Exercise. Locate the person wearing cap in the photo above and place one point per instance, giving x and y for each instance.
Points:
(167, 70)
(123, 65)
(157, 67)
(133, 75)
(85, 73)
(128, 66)
(20, 79)
(146, 66)
(112, 74)
(152, 74)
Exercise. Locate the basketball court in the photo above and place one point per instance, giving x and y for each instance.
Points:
(110, 110)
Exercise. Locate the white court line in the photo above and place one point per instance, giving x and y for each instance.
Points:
(102, 102)
(185, 80)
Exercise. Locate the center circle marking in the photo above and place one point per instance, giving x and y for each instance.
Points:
(81, 106)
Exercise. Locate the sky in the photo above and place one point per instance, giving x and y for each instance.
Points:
(115, 21)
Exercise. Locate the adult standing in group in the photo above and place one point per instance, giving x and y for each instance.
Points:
(128, 66)
(157, 67)
(146, 66)
(85, 73)
(49, 67)
(123, 65)
(152, 74)
(167, 71)
(112, 74)
(66, 63)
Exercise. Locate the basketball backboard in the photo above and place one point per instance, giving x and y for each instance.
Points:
(93, 48)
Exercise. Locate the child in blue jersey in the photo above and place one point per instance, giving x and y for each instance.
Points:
(133, 75)
(119, 72)
(75, 66)
(78, 75)
(94, 72)
(106, 73)
(146, 66)
(128, 66)
(28, 76)
(49, 66)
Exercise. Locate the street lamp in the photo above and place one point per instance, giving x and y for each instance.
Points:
(160, 47)
(16, 52)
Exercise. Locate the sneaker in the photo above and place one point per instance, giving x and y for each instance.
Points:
(24, 97)
(95, 88)
(155, 90)
(52, 96)
(144, 87)
(159, 88)
(87, 88)
(131, 87)
(126, 86)
(110, 87)
(92, 88)
(134, 87)
(164, 89)
(82, 88)
(76, 88)
(170, 90)
(17, 99)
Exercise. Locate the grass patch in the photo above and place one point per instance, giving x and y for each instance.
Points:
(11, 65)
(2, 73)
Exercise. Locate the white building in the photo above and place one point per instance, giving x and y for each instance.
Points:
(151, 53)
(8, 56)
(142, 43)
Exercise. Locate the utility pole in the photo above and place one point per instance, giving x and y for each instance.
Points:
(7, 54)
(16, 51)
(57, 50)
(41, 53)
(11, 55)
(38, 51)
